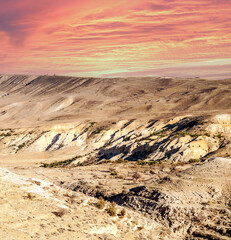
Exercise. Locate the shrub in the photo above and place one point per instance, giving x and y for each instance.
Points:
(21, 146)
(61, 145)
(30, 196)
(219, 135)
(153, 162)
(61, 212)
(60, 163)
(141, 162)
(181, 163)
(194, 160)
(111, 210)
(114, 173)
(122, 213)
(5, 134)
(121, 160)
(98, 130)
(100, 204)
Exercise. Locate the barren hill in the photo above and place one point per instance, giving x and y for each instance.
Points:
(35, 100)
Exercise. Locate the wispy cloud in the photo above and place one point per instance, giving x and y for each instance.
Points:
(105, 36)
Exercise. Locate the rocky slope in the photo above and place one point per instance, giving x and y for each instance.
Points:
(192, 204)
(174, 140)
(37, 209)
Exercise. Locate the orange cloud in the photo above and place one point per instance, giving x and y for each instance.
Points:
(94, 38)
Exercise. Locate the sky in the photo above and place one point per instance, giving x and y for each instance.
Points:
(108, 38)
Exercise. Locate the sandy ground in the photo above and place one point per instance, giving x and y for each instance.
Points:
(29, 205)
(35, 209)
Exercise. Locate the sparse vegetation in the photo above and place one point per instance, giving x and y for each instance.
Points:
(166, 132)
(30, 196)
(61, 145)
(143, 163)
(122, 213)
(85, 163)
(121, 160)
(61, 212)
(183, 134)
(114, 173)
(219, 136)
(90, 126)
(100, 204)
(60, 163)
(180, 163)
(21, 146)
(98, 130)
(111, 210)
(8, 134)
(194, 160)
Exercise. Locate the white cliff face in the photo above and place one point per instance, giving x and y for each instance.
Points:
(223, 118)
(171, 140)
(221, 124)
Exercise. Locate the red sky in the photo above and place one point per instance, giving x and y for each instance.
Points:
(116, 38)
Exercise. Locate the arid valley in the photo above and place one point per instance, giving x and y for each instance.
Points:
(115, 158)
